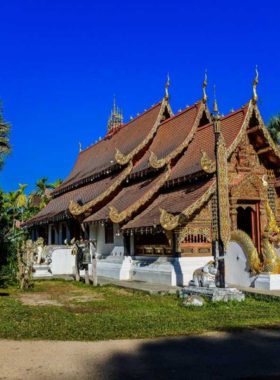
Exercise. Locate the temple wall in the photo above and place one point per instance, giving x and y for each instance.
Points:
(166, 270)
(63, 262)
(238, 267)
(103, 249)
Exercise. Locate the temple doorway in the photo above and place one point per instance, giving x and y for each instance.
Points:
(248, 221)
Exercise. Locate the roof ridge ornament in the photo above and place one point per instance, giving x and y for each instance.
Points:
(215, 105)
(205, 97)
(166, 87)
(256, 81)
(80, 147)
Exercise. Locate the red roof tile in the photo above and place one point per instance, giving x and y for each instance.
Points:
(101, 156)
(173, 202)
(170, 135)
(204, 139)
(126, 198)
(60, 204)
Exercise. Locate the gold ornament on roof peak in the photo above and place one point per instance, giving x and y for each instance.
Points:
(166, 87)
(80, 146)
(256, 81)
(115, 119)
(215, 105)
(204, 98)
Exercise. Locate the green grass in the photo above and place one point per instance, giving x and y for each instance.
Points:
(91, 314)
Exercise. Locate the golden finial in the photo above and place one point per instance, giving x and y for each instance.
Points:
(80, 146)
(256, 81)
(166, 87)
(116, 118)
(204, 98)
(215, 105)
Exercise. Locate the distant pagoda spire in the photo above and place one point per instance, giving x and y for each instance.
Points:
(115, 119)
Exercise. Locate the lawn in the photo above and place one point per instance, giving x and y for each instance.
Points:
(62, 310)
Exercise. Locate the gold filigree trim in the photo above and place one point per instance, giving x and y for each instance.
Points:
(208, 165)
(223, 191)
(251, 109)
(169, 221)
(159, 163)
(76, 209)
(240, 135)
(266, 133)
(251, 252)
(117, 217)
(187, 231)
(124, 159)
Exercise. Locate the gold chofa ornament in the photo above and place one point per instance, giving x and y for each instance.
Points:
(208, 165)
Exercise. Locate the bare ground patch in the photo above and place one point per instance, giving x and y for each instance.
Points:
(58, 295)
(38, 299)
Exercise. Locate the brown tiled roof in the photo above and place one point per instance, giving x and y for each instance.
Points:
(101, 156)
(173, 202)
(170, 135)
(59, 206)
(204, 139)
(126, 198)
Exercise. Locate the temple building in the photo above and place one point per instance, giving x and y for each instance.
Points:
(163, 193)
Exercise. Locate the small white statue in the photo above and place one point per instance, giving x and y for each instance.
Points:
(39, 250)
(205, 276)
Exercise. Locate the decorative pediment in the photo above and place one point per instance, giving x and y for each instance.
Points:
(251, 186)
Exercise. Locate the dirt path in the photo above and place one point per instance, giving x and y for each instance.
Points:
(247, 355)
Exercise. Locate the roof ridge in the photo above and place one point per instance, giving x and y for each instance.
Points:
(181, 112)
(108, 135)
(224, 117)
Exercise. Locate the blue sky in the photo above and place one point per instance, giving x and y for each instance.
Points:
(62, 62)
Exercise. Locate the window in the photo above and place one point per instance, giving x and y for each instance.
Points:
(109, 233)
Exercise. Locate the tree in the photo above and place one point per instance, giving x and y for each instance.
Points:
(274, 127)
(41, 190)
(5, 146)
(11, 200)
(56, 183)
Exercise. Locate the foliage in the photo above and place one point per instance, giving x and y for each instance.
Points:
(101, 313)
(56, 183)
(274, 128)
(42, 190)
(5, 131)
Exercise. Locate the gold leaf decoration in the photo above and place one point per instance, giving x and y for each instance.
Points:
(249, 249)
(223, 191)
(169, 221)
(76, 209)
(124, 159)
(159, 163)
(117, 217)
(195, 231)
(208, 165)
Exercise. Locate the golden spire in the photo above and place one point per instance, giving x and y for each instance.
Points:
(204, 98)
(256, 81)
(116, 117)
(215, 105)
(166, 87)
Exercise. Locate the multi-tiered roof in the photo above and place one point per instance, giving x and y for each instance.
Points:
(153, 166)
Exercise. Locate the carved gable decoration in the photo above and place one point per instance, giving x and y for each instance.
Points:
(249, 187)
